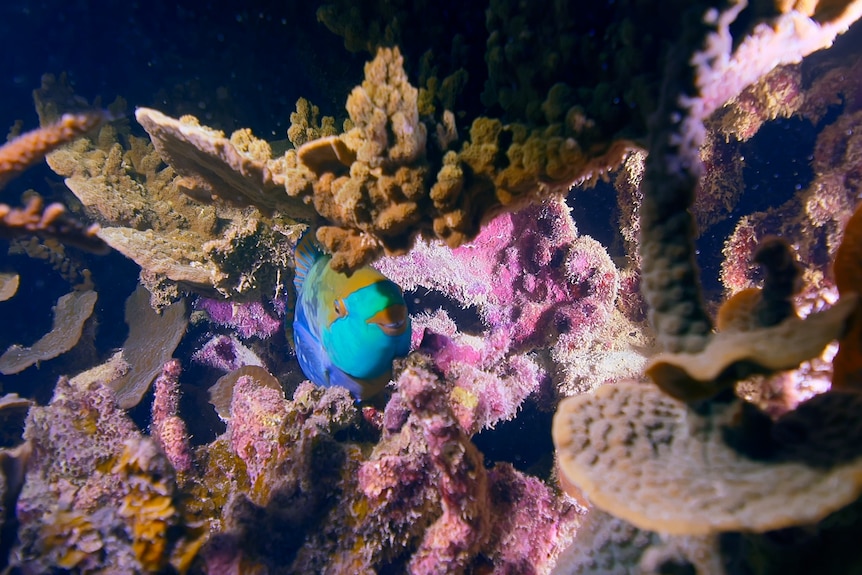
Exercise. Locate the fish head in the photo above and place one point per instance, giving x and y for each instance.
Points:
(370, 327)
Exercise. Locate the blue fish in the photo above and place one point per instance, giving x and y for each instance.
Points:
(346, 329)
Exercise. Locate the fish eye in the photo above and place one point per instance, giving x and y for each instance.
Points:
(339, 308)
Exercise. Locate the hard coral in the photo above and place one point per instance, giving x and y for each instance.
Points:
(249, 319)
(51, 221)
(107, 490)
(451, 542)
(640, 446)
(147, 214)
(381, 195)
(626, 435)
(70, 313)
(27, 149)
(167, 428)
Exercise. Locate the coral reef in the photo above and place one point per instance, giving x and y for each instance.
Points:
(96, 490)
(147, 214)
(31, 147)
(27, 149)
(454, 163)
(167, 428)
(538, 286)
(249, 320)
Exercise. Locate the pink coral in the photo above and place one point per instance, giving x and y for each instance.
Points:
(530, 524)
(451, 542)
(489, 385)
(527, 273)
(535, 284)
(225, 353)
(425, 462)
(98, 493)
(167, 427)
(256, 412)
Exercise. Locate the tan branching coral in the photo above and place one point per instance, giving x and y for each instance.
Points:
(381, 194)
(239, 169)
(180, 243)
(392, 191)
(35, 218)
(27, 149)
(52, 221)
(305, 125)
(75, 308)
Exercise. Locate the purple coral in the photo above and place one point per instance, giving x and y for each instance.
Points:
(98, 495)
(528, 274)
(247, 319)
(489, 385)
(425, 462)
(535, 283)
(530, 524)
(225, 353)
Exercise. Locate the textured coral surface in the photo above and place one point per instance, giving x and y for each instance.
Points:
(613, 367)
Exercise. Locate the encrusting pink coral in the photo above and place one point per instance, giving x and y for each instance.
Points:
(225, 353)
(530, 275)
(255, 420)
(450, 542)
(535, 283)
(426, 461)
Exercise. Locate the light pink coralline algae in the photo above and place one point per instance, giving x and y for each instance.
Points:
(535, 283)
(529, 274)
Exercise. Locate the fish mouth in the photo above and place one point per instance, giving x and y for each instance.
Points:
(392, 320)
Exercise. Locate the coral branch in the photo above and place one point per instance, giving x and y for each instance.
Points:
(167, 427)
(27, 149)
(52, 221)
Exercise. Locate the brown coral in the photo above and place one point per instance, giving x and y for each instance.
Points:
(152, 339)
(180, 243)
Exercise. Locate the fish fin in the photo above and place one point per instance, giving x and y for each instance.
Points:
(318, 368)
(310, 354)
(360, 389)
(338, 377)
(306, 253)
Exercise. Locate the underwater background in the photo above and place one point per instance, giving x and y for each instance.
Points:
(620, 234)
